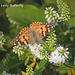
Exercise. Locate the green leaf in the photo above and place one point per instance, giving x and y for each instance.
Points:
(46, 47)
(31, 56)
(52, 49)
(72, 22)
(48, 2)
(2, 49)
(26, 61)
(71, 4)
(43, 63)
(51, 44)
(62, 67)
(22, 57)
(10, 61)
(72, 13)
(42, 68)
(36, 72)
(26, 14)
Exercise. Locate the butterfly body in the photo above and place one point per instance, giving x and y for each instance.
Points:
(32, 34)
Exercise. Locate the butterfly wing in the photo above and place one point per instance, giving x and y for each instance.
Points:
(45, 28)
(40, 30)
(22, 38)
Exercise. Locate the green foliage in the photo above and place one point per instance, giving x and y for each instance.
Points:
(63, 10)
(7, 1)
(26, 61)
(4, 62)
(9, 62)
(48, 2)
(26, 14)
(36, 72)
(71, 4)
(72, 21)
(43, 63)
(69, 69)
(23, 53)
(46, 47)
(50, 42)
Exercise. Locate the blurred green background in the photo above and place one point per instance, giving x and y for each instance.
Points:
(13, 19)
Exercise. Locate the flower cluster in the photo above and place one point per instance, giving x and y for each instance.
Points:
(38, 51)
(44, 54)
(59, 56)
(2, 40)
(52, 15)
(51, 37)
(63, 10)
(19, 49)
(29, 70)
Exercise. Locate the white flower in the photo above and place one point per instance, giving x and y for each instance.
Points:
(59, 56)
(0, 41)
(48, 19)
(46, 8)
(35, 50)
(54, 14)
(54, 11)
(53, 19)
(51, 15)
(50, 12)
(52, 8)
(46, 16)
(46, 12)
(13, 50)
(18, 50)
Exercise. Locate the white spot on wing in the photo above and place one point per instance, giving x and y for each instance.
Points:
(52, 27)
(47, 25)
(48, 30)
(19, 43)
(25, 42)
(44, 33)
(14, 43)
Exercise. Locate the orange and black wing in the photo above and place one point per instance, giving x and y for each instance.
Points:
(41, 29)
(22, 38)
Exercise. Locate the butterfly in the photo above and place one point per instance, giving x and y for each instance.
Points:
(32, 34)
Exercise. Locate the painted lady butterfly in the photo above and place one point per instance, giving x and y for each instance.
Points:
(33, 34)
